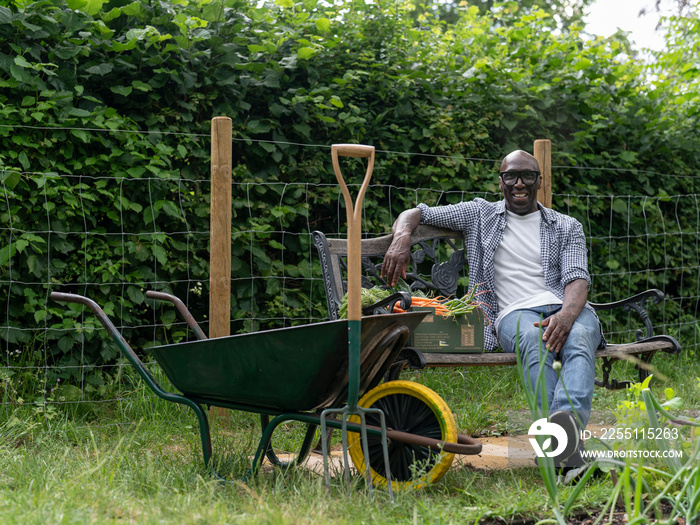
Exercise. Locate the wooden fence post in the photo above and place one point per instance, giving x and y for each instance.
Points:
(543, 154)
(220, 228)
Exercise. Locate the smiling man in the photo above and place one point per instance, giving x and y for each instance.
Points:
(533, 263)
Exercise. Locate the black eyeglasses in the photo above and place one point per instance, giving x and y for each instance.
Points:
(509, 178)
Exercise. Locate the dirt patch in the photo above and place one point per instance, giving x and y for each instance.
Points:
(499, 453)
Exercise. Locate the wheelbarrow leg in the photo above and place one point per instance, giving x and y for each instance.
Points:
(204, 436)
(265, 440)
(303, 452)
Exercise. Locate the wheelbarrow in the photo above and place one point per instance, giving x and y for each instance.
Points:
(400, 433)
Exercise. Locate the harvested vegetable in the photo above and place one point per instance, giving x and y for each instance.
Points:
(443, 306)
(466, 304)
(440, 308)
(368, 296)
(451, 307)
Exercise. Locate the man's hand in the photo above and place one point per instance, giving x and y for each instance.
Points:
(396, 261)
(399, 252)
(558, 326)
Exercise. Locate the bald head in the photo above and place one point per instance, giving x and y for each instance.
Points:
(519, 160)
(520, 198)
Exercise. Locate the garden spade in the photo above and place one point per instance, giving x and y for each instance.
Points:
(354, 275)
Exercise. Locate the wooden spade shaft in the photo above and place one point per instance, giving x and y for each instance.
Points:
(354, 261)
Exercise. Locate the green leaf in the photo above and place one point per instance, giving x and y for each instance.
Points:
(101, 69)
(65, 343)
(258, 126)
(6, 252)
(136, 172)
(22, 62)
(675, 403)
(10, 178)
(76, 5)
(82, 135)
(70, 393)
(160, 254)
(304, 53)
(141, 86)
(612, 264)
(171, 209)
(14, 335)
(335, 100)
(135, 294)
(5, 15)
(285, 3)
(323, 25)
(93, 7)
(619, 206)
(582, 64)
(39, 315)
(23, 159)
(133, 9)
(65, 53)
(77, 112)
(628, 156)
(120, 47)
(168, 317)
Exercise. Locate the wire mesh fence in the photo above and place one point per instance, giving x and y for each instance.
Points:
(111, 238)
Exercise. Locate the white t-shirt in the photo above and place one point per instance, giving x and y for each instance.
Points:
(518, 266)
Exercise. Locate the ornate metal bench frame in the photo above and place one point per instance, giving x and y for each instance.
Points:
(444, 281)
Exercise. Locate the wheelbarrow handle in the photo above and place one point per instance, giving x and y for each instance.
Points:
(61, 297)
(141, 368)
(465, 444)
(181, 308)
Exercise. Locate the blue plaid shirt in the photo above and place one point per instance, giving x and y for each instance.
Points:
(562, 246)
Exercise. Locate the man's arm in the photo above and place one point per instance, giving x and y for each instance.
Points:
(558, 326)
(398, 254)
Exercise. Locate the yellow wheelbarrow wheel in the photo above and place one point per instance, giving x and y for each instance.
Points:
(413, 408)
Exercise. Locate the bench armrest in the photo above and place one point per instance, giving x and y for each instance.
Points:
(636, 303)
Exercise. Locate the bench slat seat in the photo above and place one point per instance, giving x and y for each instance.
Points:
(503, 358)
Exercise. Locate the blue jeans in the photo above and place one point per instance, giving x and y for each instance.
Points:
(577, 357)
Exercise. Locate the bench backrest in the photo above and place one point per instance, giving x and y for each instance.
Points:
(437, 248)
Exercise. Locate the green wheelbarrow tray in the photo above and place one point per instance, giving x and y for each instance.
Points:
(301, 368)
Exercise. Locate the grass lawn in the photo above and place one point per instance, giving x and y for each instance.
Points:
(139, 461)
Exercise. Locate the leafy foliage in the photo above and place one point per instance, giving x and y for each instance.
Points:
(104, 112)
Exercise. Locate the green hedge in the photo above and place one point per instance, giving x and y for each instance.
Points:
(104, 122)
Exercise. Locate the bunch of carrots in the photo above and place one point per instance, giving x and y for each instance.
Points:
(448, 307)
(436, 302)
(443, 305)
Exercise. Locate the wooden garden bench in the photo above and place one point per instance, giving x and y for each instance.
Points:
(428, 243)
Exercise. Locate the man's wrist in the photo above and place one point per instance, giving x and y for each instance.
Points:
(402, 236)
